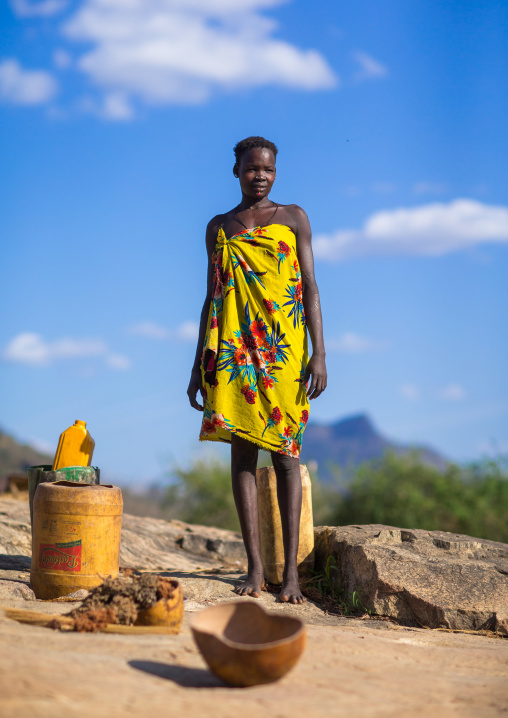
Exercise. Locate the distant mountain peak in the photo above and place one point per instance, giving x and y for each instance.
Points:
(350, 441)
(356, 425)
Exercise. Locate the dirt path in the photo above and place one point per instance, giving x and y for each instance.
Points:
(351, 667)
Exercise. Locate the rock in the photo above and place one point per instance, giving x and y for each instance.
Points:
(16, 590)
(150, 544)
(157, 544)
(427, 578)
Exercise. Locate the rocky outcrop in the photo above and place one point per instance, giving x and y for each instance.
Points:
(421, 578)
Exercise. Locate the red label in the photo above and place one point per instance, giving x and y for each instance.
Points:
(60, 556)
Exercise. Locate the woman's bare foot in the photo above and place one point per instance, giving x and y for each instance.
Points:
(253, 585)
(290, 590)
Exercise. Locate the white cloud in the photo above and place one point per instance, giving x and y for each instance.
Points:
(409, 391)
(62, 59)
(186, 332)
(25, 87)
(31, 348)
(453, 392)
(430, 188)
(176, 51)
(33, 8)
(369, 68)
(149, 329)
(117, 107)
(430, 230)
(351, 343)
(118, 361)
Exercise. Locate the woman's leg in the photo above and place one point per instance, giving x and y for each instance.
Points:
(289, 495)
(244, 458)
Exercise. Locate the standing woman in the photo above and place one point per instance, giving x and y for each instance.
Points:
(252, 366)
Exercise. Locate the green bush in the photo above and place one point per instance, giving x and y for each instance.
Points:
(202, 494)
(402, 491)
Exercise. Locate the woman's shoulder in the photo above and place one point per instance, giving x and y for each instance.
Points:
(217, 222)
(293, 215)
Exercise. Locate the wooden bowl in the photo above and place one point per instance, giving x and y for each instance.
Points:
(166, 612)
(245, 646)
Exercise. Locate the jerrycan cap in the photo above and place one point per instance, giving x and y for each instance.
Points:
(78, 422)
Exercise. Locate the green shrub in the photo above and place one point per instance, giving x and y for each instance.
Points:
(402, 491)
(202, 494)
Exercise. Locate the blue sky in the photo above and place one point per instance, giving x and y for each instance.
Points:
(117, 122)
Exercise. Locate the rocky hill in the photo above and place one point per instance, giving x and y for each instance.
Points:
(349, 442)
(16, 457)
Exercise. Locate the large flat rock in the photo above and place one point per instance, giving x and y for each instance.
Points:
(427, 578)
(351, 667)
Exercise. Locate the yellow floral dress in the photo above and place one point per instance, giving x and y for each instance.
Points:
(255, 349)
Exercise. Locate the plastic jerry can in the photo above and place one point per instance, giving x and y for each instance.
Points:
(270, 526)
(75, 537)
(75, 447)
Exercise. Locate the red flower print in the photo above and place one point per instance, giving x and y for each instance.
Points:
(295, 266)
(218, 420)
(214, 323)
(271, 356)
(269, 305)
(268, 382)
(305, 416)
(208, 427)
(241, 356)
(250, 396)
(258, 329)
(250, 342)
(276, 415)
(294, 448)
(288, 431)
(284, 249)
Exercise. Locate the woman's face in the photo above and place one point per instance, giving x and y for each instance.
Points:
(256, 172)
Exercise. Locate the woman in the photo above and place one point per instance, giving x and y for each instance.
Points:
(251, 364)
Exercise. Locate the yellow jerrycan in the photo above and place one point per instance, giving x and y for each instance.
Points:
(75, 447)
(75, 537)
(270, 527)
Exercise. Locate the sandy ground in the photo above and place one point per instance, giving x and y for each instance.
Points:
(351, 667)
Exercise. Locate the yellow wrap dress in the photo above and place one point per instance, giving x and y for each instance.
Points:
(255, 350)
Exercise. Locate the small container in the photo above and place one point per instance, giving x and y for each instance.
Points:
(166, 612)
(75, 447)
(270, 526)
(44, 474)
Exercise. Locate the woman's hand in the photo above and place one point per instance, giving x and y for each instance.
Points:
(195, 385)
(317, 369)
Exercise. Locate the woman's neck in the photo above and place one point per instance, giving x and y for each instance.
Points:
(253, 203)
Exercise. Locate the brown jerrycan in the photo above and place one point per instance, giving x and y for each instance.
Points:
(270, 527)
(75, 537)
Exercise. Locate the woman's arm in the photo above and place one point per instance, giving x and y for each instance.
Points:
(196, 383)
(312, 306)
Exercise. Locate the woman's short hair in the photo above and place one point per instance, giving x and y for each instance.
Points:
(250, 143)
